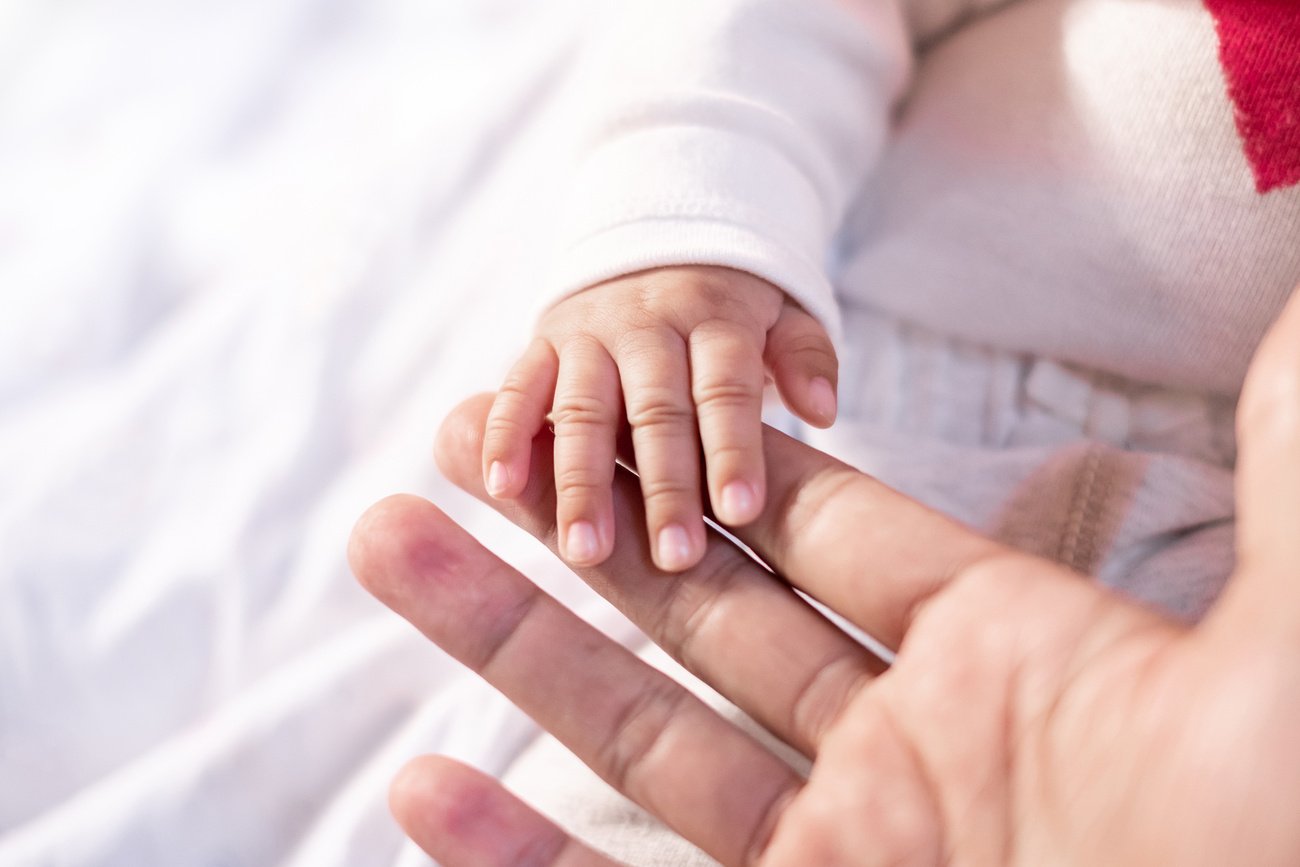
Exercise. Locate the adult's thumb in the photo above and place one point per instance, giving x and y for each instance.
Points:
(1264, 594)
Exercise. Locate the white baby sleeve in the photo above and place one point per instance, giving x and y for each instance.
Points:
(726, 132)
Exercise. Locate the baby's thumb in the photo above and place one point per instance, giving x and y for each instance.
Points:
(802, 361)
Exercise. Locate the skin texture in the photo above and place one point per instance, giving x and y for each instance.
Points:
(679, 356)
(1030, 718)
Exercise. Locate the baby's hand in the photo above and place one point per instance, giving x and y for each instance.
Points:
(685, 351)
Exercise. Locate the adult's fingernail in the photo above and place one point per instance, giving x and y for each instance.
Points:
(498, 480)
(581, 545)
(674, 548)
(821, 394)
(738, 502)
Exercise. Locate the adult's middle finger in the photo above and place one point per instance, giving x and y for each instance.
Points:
(727, 620)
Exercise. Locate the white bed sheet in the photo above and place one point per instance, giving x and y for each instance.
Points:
(251, 252)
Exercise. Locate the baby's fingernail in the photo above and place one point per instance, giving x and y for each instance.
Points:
(674, 548)
(738, 502)
(821, 394)
(581, 545)
(498, 480)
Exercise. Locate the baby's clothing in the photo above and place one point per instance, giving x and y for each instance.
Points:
(1067, 178)
(1050, 234)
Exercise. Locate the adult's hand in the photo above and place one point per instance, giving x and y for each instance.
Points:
(1030, 717)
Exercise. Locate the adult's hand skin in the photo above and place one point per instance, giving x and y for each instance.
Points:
(1030, 717)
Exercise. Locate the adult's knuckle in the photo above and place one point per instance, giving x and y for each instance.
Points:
(641, 725)
(497, 632)
(698, 603)
(821, 699)
(804, 508)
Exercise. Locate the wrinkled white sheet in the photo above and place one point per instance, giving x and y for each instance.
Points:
(251, 252)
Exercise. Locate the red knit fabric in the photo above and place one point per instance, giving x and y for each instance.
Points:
(1259, 46)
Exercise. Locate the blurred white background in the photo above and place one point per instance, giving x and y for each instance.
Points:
(251, 252)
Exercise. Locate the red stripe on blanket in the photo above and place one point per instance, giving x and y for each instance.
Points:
(1259, 47)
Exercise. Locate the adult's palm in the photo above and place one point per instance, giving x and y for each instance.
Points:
(1030, 717)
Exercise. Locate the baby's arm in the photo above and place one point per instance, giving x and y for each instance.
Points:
(722, 132)
(684, 350)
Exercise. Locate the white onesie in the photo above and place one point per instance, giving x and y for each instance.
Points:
(1049, 234)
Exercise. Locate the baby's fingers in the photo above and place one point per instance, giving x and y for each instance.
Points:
(803, 363)
(666, 441)
(517, 415)
(727, 384)
(586, 416)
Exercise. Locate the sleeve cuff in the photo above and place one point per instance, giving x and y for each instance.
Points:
(667, 187)
(656, 243)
